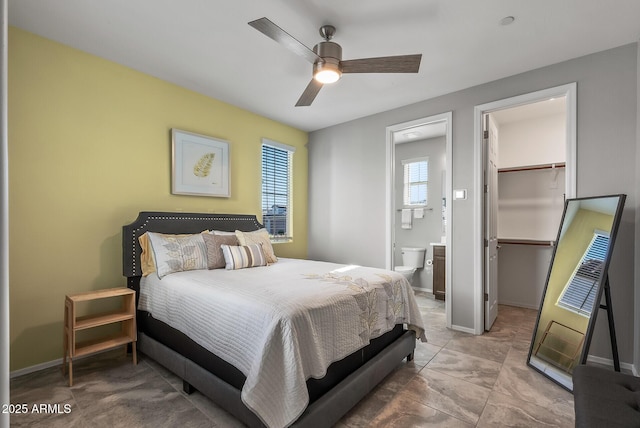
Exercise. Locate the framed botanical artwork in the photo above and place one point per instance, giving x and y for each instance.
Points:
(199, 165)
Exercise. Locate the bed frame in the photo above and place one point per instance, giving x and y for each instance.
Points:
(323, 412)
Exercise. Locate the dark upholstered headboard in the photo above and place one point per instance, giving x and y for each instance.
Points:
(174, 222)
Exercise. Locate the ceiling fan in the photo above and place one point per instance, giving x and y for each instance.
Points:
(327, 61)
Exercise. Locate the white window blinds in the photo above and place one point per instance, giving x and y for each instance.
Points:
(276, 189)
(416, 179)
(579, 294)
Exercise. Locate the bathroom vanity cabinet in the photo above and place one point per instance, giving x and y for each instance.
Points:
(439, 263)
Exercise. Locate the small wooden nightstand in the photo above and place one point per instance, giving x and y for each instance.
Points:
(126, 315)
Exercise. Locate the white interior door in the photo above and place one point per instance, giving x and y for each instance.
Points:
(491, 222)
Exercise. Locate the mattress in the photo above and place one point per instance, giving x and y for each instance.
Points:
(282, 324)
(337, 371)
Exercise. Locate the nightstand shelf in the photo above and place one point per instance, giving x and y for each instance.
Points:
(90, 321)
(91, 346)
(125, 316)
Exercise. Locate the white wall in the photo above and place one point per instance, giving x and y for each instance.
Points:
(534, 141)
(347, 175)
(531, 202)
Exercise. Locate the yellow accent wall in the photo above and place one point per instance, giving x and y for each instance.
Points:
(89, 147)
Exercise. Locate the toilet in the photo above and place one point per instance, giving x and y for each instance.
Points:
(412, 259)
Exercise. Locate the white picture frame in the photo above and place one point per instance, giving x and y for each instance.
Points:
(199, 165)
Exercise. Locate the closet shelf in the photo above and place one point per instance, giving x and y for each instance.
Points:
(533, 167)
(518, 241)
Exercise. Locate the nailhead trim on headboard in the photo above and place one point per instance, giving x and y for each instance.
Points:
(175, 223)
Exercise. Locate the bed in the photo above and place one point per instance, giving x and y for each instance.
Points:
(257, 341)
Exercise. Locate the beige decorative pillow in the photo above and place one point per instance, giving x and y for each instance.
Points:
(175, 253)
(260, 236)
(215, 257)
(147, 262)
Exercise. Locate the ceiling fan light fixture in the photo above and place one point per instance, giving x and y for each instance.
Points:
(327, 76)
(327, 71)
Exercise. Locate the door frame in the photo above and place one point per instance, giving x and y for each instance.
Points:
(570, 92)
(490, 220)
(390, 191)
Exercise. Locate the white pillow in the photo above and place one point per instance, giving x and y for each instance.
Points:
(176, 253)
(221, 232)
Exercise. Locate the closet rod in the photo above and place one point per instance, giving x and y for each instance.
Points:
(537, 242)
(533, 167)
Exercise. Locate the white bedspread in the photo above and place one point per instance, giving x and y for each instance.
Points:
(284, 323)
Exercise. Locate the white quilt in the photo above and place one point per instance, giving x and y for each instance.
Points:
(284, 323)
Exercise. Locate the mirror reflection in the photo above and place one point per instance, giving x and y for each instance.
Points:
(573, 285)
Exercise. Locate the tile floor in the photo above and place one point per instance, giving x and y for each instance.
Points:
(455, 380)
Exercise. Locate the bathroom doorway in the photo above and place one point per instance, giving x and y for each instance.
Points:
(419, 176)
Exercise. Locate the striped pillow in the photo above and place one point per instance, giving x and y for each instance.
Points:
(243, 256)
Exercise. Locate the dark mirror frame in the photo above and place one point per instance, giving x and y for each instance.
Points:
(603, 282)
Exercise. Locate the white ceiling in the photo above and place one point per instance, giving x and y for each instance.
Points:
(207, 46)
(421, 132)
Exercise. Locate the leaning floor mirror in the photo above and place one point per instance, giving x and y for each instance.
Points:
(575, 282)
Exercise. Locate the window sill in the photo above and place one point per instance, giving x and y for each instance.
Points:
(281, 241)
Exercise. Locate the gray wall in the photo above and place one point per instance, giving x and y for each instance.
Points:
(347, 176)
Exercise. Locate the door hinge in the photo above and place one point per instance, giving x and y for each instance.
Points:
(486, 242)
(486, 297)
(485, 134)
(486, 188)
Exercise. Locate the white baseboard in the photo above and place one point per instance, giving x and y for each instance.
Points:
(519, 305)
(36, 368)
(463, 329)
(624, 367)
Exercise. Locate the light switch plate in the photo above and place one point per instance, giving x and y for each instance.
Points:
(460, 194)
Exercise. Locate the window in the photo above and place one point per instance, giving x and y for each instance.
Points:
(276, 189)
(580, 293)
(416, 178)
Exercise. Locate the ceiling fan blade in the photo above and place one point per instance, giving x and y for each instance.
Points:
(385, 64)
(269, 29)
(309, 93)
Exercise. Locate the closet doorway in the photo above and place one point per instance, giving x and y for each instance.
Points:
(527, 169)
(422, 149)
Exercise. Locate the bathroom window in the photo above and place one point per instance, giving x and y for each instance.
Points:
(580, 292)
(416, 180)
(277, 161)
